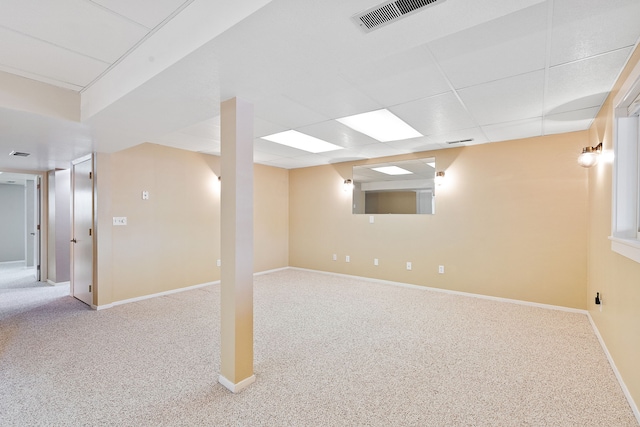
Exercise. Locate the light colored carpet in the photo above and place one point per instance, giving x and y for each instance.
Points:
(329, 351)
(15, 275)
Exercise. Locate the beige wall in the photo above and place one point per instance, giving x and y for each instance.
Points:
(172, 240)
(23, 94)
(510, 222)
(617, 278)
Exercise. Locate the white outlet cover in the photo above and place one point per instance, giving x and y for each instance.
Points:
(375, 261)
(371, 219)
(335, 257)
(441, 269)
(347, 258)
(119, 220)
(409, 266)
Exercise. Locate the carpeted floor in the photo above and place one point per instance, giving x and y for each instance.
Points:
(329, 351)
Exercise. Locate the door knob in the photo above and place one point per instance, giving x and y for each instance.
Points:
(74, 241)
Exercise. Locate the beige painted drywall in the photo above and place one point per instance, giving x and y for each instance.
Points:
(510, 222)
(22, 94)
(172, 240)
(617, 278)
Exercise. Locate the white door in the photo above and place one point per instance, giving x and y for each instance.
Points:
(82, 230)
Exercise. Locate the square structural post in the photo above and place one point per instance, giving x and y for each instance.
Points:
(236, 319)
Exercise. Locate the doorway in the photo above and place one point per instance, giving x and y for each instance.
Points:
(82, 229)
(20, 215)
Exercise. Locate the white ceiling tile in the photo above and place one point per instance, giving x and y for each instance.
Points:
(336, 133)
(261, 157)
(435, 115)
(263, 127)
(583, 28)
(189, 142)
(507, 46)
(282, 111)
(292, 162)
(330, 96)
(570, 121)
(584, 83)
(398, 78)
(209, 129)
(77, 25)
(379, 149)
(476, 135)
(146, 12)
(514, 130)
(40, 58)
(53, 143)
(346, 155)
(513, 98)
(415, 145)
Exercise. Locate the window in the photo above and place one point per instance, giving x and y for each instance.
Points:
(625, 236)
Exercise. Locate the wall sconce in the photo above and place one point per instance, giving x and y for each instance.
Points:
(590, 156)
(439, 178)
(348, 185)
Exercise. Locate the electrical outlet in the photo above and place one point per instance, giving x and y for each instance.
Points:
(375, 261)
(371, 220)
(119, 220)
(441, 269)
(145, 195)
(218, 263)
(335, 257)
(408, 265)
(347, 258)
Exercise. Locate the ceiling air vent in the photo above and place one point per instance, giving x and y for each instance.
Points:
(389, 11)
(460, 141)
(19, 154)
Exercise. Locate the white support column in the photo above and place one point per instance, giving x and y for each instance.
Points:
(236, 323)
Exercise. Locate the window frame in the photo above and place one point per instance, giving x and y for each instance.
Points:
(625, 215)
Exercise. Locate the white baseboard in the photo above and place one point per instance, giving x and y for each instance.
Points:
(262, 273)
(237, 388)
(13, 262)
(447, 291)
(173, 291)
(625, 390)
(52, 283)
(161, 294)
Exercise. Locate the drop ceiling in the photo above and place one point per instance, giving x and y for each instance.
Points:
(487, 70)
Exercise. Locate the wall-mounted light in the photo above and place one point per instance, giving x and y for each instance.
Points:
(439, 178)
(348, 185)
(590, 156)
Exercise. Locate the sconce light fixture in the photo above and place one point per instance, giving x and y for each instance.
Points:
(348, 185)
(590, 156)
(439, 178)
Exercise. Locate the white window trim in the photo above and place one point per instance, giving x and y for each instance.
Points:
(620, 243)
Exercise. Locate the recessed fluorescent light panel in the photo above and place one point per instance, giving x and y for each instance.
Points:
(382, 125)
(392, 170)
(295, 139)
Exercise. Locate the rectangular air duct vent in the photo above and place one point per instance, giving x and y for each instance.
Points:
(460, 141)
(19, 154)
(388, 12)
